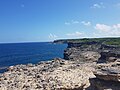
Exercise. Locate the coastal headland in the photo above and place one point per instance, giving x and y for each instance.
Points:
(88, 64)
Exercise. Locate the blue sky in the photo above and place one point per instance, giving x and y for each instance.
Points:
(46, 20)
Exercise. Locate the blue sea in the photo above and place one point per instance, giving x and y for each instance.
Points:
(23, 53)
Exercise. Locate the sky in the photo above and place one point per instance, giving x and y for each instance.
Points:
(48, 20)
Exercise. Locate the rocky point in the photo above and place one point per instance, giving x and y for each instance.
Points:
(86, 66)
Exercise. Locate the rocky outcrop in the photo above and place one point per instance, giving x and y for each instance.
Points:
(92, 51)
(107, 58)
(99, 84)
(88, 66)
(86, 46)
(82, 51)
(81, 56)
(107, 76)
(57, 74)
(108, 71)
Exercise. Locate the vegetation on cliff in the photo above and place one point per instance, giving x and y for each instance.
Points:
(107, 41)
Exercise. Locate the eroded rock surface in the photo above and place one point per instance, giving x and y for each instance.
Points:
(107, 58)
(51, 75)
(107, 76)
(83, 52)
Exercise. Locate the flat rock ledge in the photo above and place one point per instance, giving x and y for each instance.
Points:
(107, 76)
(57, 74)
(108, 71)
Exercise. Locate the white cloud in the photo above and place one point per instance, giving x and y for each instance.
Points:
(72, 22)
(102, 27)
(116, 27)
(107, 30)
(75, 34)
(67, 23)
(86, 23)
(75, 22)
(98, 5)
(52, 36)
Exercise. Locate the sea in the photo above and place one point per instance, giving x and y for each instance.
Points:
(24, 53)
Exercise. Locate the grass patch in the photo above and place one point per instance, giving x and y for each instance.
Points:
(107, 41)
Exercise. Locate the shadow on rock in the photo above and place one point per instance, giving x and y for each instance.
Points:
(99, 84)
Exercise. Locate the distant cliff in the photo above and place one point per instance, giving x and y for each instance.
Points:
(106, 41)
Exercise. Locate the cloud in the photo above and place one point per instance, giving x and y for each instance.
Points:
(72, 22)
(75, 34)
(102, 27)
(75, 22)
(86, 23)
(67, 23)
(107, 30)
(52, 36)
(78, 22)
(98, 5)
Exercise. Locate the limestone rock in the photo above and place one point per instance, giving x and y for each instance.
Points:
(76, 54)
(57, 74)
(107, 77)
(99, 84)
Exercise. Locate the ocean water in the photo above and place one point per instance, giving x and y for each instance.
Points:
(23, 53)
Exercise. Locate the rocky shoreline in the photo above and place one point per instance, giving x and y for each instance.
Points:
(86, 66)
(107, 59)
(57, 74)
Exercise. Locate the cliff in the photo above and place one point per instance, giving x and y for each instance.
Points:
(106, 57)
(106, 41)
(92, 50)
(88, 64)
(84, 51)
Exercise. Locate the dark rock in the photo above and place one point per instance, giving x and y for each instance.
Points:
(98, 84)
(109, 56)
